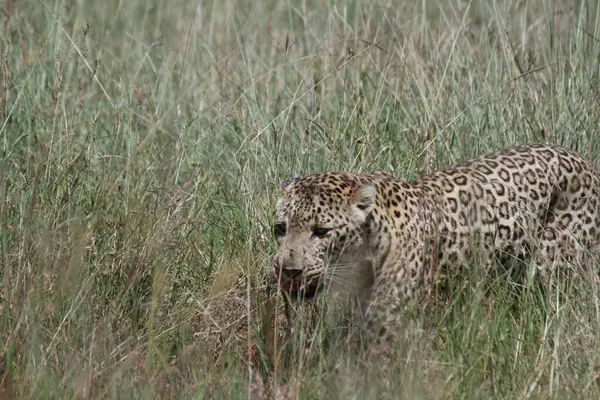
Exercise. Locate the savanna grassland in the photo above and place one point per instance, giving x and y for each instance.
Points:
(141, 145)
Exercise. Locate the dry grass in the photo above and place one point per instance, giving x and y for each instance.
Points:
(141, 146)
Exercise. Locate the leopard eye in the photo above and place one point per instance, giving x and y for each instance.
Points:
(320, 232)
(279, 229)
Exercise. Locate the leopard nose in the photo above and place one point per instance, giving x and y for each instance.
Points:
(291, 273)
(286, 273)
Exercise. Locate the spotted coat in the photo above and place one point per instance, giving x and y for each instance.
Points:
(391, 240)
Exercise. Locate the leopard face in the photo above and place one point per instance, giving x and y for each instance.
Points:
(318, 226)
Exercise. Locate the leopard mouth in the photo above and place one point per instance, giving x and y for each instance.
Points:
(304, 290)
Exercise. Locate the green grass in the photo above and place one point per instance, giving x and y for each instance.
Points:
(141, 146)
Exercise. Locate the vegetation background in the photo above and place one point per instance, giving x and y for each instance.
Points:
(141, 146)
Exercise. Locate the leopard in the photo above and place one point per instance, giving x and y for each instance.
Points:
(535, 205)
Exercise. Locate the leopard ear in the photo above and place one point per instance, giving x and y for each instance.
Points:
(366, 196)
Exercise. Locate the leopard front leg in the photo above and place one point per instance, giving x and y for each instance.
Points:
(381, 320)
(394, 294)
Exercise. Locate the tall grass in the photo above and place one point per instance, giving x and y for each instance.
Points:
(142, 143)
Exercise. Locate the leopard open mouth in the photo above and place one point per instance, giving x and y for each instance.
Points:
(302, 289)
